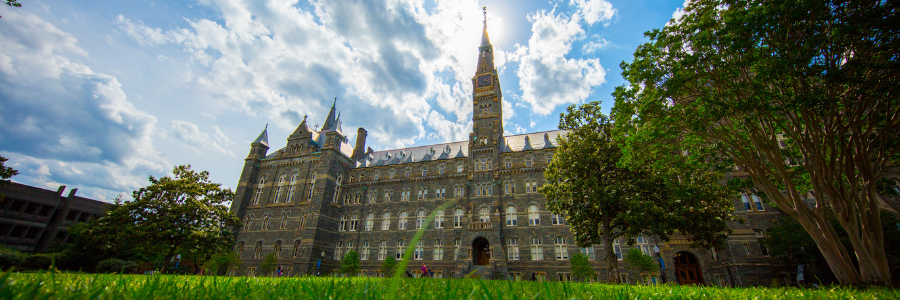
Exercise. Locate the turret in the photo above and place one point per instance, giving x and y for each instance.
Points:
(258, 149)
(360, 148)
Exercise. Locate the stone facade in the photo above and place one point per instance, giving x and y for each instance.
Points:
(319, 197)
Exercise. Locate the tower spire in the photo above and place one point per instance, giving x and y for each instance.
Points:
(485, 41)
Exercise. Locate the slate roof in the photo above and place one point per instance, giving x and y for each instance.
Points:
(531, 141)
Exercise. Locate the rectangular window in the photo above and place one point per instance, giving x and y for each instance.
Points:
(438, 250)
(556, 219)
(589, 252)
(562, 252)
(537, 252)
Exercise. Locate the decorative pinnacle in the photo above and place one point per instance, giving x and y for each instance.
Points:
(484, 8)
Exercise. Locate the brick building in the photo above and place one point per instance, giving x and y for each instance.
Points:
(320, 197)
(33, 219)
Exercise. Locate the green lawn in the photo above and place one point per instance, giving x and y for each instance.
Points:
(91, 286)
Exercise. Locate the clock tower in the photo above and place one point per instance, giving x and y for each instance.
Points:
(487, 131)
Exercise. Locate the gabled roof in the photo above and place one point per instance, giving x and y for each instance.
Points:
(531, 141)
(414, 154)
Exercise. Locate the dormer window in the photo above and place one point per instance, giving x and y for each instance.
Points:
(459, 168)
(377, 174)
(441, 170)
(528, 161)
(393, 172)
(424, 171)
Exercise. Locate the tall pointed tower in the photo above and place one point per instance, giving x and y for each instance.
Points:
(486, 97)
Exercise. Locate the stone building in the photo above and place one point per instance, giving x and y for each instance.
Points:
(33, 219)
(319, 197)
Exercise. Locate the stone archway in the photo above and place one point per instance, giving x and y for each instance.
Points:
(481, 251)
(687, 268)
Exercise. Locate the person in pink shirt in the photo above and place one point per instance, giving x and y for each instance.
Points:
(424, 271)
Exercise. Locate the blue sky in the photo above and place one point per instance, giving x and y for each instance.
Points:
(99, 95)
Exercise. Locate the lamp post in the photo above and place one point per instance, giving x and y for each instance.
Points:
(662, 264)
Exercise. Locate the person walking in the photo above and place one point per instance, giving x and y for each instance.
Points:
(424, 271)
(278, 271)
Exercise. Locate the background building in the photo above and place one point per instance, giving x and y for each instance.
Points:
(319, 197)
(33, 219)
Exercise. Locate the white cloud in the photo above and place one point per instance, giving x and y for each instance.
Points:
(594, 46)
(547, 78)
(64, 122)
(594, 11)
(679, 12)
(194, 139)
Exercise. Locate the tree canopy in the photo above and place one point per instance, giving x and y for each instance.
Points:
(798, 96)
(603, 199)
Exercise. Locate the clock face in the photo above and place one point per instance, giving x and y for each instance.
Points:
(484, 80)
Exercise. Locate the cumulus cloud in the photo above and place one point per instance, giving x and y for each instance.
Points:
(196, 140)
(63, 122)
(547, 78)
(593, 11)
(594, 46)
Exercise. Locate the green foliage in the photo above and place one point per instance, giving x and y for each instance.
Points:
(10, 258)
(183, 214)
(787, 239)
(40, 261)
(127, 287)
(387, 267)
(581, 267)
(638, 261)
(350, 263)
(220, 262)
(115, 265)
(798, 95)
(268, 264)
(5, 173)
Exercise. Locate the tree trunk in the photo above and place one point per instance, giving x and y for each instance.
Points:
(168, 258)
(612, 262)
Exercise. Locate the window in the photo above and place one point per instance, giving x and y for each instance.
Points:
(712, 252)
(456, 247)
(388, 195)
(302, 222)
(248, 222)
(404, 196)
(382, 250)
(392, 174)
(556, 219)
(296, 249)
(354, 222)
(528, 162)
(292, 188)
(386, 221)
(534, 216)
(511, 217)
(457, 218)
(617, 248)
(344, 224)
(420, 219)
(364, 251)
(512, 249)
(439, 219)
(441, 170)
(508, 164)
(337, 189)
(484, 215)
(276, 250)
(401, 221)
(747, 248)
(338, 251)
(424, 171)
(284, 221)
(644, 244)
(559, 245)
(565, 276)
(752, 201)
(534, 187)
(372, 197)
(459, 168)
(259, 190)
(419, 252)
(370, 221)
(280, 189)
(537, 252)
(527, 187)
(408, 172)
(375, 177)
(401, 247)
(623, 278)
(589, 252)
(310, 186)
(265, 224)
(438, 250)
(419, 195)
(441, 193)
(240, 249)
(257, 252)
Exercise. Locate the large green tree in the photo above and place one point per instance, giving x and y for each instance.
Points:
(603, 199)
(5, 173)
(183, 212)
(801, 95)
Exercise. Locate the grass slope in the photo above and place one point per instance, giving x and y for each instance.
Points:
(100, 286)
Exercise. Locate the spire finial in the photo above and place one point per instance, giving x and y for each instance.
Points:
(484, 8)
(267, 127)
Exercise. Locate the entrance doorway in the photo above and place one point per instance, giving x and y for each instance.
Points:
(687, 269)
(481, 250)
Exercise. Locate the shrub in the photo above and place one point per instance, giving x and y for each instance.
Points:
(350, 263)
(387, 267)
(39, 261)
(10, 258)
(115, 265)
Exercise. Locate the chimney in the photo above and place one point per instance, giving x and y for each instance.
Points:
(360, 143)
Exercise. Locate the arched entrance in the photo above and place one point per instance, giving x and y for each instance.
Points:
(481, 251)
(687, 269)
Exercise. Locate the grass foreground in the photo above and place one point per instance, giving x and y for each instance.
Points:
(103, 286)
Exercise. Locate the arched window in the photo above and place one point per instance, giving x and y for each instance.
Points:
(537, 250)
(302, 222)
(364, 251)
(644, 244)
(559, 246)
(420, 219)
(370, 221)
(354, 222)
(277, 249)
(284, 221)
(508, 164)
(457, 218)
(338, 251)
(386, 221)
(617, 248)
(484, 215)
(259, 190)
(257, 251)
(534, 186)
(240, 249)
(337, 189)
(265, 223)
(279, 190)
(401, 247)
(534, 216)
(456, 248)
(248, 222)
(296, 249)
(344, 224)
(401, 220)
(512, 249)
(292, 188)
(382, 250)
(408, 172)
(511, 217)
(439, 219)
(419, 253)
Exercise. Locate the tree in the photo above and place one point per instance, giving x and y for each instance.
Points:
(581, 267)
(220, 262)
(638, 261)
(268, 264)
(184, 212)
(350, 263)
(5, 173)
(387, 267)
(603, 200)
(799, 95)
